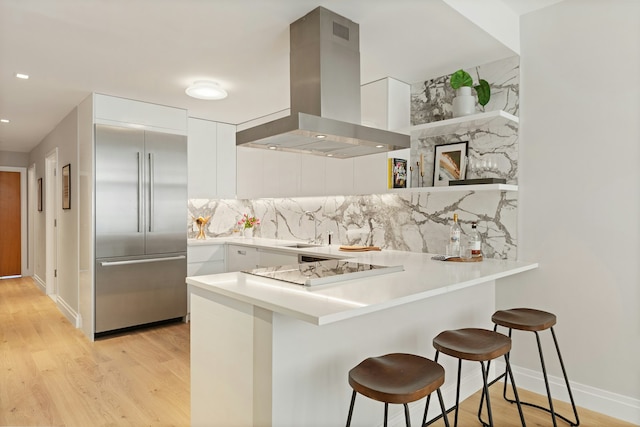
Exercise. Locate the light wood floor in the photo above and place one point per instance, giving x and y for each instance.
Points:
(51, 375)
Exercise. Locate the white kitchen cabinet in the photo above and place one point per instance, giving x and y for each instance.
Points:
(205, 259)
(211, 159)
(268, 258)
(242, 258)
(339, 177)
(312, 175)
(370, 174)
(281, 173)
(250, 168)
(111, 110)
(226, 161)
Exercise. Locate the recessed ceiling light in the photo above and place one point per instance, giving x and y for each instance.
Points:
(321, 136)
(329, 155)
(379, 146)
(4, 120)
(204, 89)
(272, 147)
(22, 76)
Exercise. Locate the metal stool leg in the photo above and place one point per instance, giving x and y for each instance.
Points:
(386, 412)
(566, 380)
(550, 409)
(406, 415)
(353, 401)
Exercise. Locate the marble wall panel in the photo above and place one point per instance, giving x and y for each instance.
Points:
(409, 221)
(493, 149)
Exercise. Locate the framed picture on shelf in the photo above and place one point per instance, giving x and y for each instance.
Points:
(450, 163)
(66, 187)
(39, 195)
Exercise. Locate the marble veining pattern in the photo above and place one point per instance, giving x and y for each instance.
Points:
(412, 221)
(494, 145)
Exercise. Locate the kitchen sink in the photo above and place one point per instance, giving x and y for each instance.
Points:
(302, 245)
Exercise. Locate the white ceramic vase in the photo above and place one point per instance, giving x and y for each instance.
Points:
(464, 103)
(248, 232)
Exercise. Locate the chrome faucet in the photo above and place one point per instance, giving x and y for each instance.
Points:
(312, 216)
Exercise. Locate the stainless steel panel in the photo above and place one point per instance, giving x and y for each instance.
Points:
(119, 201)
(166, 178)
(139, 290)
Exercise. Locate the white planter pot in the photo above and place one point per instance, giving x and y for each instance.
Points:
(248, 232)
(464, 103)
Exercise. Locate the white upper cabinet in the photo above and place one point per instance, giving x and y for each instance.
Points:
(250, 173)
(211, 159)
(226, 161)
(111, 110)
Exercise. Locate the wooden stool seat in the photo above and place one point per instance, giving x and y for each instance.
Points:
(472, 344)
(478, 345)
(396, 378)
(532, 320)
(524, 319)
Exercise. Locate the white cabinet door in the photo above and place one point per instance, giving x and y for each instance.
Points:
(226, 161)
(312, 175)
(274, 258)
(250, 170)
(242, 258)
(370, 174)
(123, 112)
(339, 177)
(205, 259)
(202, 158)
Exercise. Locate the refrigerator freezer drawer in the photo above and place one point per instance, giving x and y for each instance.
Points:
(141, 290)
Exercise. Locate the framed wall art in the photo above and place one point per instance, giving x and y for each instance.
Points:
(450, 163)
(39, 195)
(66, 187)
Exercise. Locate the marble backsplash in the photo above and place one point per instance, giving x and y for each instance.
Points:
(493, 148)
(411, 221)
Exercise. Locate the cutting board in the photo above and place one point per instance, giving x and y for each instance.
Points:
(357, 248)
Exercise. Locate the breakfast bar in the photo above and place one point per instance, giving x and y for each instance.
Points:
(265, 352)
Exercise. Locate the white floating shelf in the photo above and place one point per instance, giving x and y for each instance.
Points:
(457, 188)
(465, 123)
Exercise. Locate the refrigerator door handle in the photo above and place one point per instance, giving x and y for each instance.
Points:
(141, 261)
(140, 192)
(151, 191)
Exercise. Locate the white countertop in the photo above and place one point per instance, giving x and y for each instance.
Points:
(422, 278)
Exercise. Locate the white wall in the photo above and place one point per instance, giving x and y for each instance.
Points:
(580, 199)
(64, 137)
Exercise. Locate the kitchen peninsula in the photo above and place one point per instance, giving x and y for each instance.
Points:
(271, 353)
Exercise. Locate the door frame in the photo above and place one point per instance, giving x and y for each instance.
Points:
(51, 210)
(24, 264)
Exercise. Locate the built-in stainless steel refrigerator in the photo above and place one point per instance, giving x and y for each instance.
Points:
(140, 227)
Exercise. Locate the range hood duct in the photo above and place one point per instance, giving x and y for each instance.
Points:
(325, 95)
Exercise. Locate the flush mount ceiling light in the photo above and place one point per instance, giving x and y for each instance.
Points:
(22, 76)
(205, 89)
(4, 120)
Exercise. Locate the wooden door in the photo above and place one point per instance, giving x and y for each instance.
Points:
(10, 224)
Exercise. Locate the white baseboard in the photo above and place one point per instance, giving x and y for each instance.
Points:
(610, 404)
(41, 283)
(68, 312)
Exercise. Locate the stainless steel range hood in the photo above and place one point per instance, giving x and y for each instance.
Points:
(325, 95)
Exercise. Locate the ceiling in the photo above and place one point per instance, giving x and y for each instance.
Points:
(151, 50)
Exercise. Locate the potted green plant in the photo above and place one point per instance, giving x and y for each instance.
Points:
(464, 102)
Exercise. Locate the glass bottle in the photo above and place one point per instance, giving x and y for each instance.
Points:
(475, 241)
(455, 235)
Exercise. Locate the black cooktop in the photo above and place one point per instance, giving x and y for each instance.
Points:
(322, 272)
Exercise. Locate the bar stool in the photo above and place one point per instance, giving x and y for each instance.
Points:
(528, 319)
(396, 378)
(480, 345)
